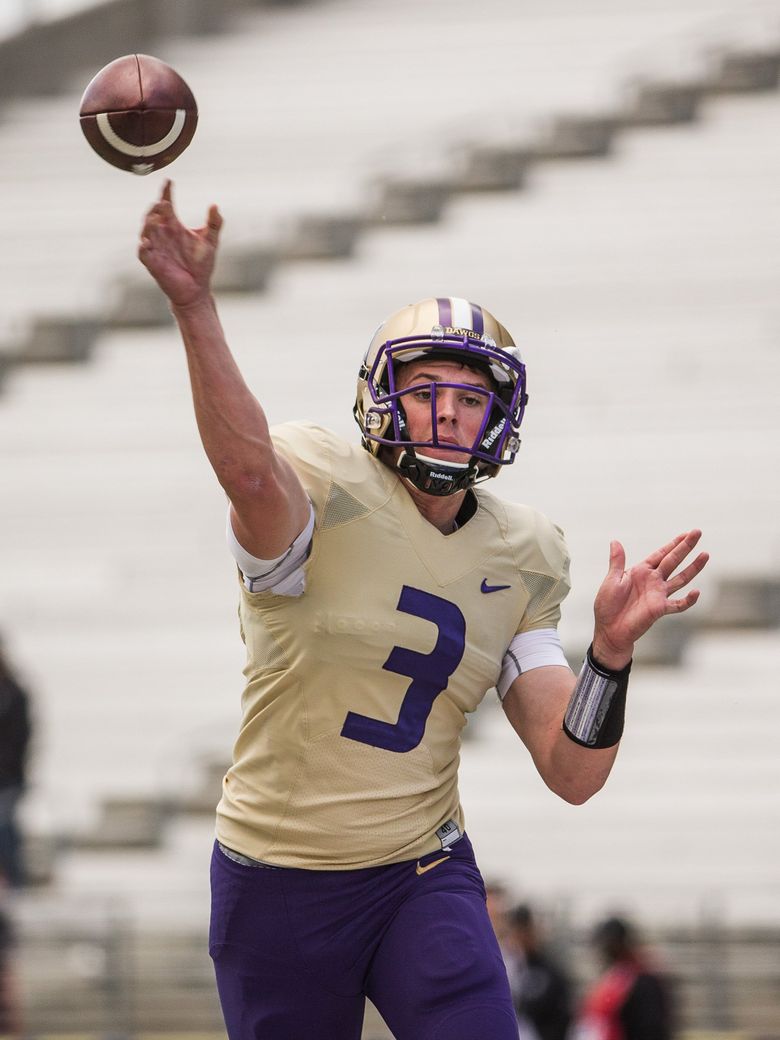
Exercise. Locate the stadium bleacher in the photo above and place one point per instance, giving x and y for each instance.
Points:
(330, 153)
(641, 284)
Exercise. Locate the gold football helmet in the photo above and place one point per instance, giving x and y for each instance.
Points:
(448, 328)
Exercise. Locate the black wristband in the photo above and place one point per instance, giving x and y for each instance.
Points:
(596, 711)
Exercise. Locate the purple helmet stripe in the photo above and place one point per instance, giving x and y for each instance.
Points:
(445, 310)
(477, 320)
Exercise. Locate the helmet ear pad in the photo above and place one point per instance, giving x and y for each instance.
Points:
(403, 424)
(494, 427)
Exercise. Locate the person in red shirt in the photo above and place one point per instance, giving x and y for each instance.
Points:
(631, 1000)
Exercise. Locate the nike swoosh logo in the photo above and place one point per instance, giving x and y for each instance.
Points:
(430, 866)
(484, 587)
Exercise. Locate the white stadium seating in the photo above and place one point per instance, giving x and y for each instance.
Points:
(643, 290)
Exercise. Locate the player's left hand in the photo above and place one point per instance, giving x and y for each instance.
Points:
(630, 601)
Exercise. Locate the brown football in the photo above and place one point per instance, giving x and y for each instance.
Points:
(138, 113)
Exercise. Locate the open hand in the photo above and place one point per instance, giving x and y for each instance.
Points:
(629, 602)
(180, 259)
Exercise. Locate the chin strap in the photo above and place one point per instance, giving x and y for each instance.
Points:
(434, 476)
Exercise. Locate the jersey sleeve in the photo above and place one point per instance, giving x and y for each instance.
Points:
(342, 479)
(309, 450)
(538, 648)
(306, 447)
(284, 574)
(544, 571)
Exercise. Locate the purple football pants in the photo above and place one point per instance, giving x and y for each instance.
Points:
(297, 951)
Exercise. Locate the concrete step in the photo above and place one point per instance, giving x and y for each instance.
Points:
(264, 45)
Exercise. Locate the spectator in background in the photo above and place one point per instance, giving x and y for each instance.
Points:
(10, 1016)
(497, 900)
(540, 987)
(14, 742)
(631, 1000)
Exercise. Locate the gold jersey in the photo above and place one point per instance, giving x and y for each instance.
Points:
(357, 691)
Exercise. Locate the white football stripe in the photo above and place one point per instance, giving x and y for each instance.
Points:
(141, 150)
(461, 313)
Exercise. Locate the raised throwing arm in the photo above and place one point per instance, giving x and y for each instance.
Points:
(269, 505)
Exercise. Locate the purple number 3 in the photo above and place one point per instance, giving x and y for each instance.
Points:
(429, 673)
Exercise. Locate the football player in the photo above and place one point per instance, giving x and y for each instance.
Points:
(341, 868)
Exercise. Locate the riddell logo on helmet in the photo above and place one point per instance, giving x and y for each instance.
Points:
(487, 442)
